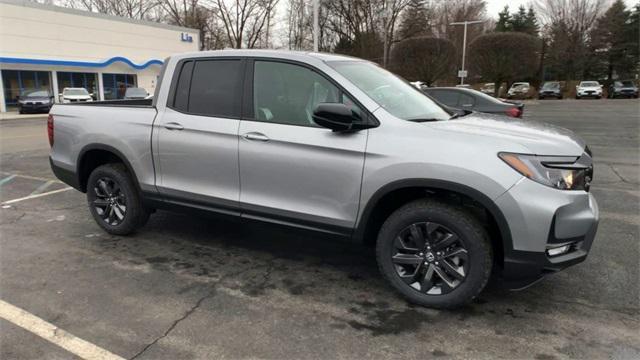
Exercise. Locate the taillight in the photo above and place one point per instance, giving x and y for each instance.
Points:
(50, 129)
(514, 112)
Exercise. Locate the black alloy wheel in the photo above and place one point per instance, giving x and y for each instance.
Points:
(110, 202)
(430, 258)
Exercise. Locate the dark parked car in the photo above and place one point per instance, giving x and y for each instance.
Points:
(35, 101)
(469, 99)
(624, 88)
(550, 89)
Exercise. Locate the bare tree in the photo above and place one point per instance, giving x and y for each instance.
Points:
(391, 10)
(568, 25)
(134, 9)
(192, 14)
(245, 21)
(504, 56)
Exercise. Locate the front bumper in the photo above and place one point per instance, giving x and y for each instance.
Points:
(588, 93)
(540, 218)
(34, 107)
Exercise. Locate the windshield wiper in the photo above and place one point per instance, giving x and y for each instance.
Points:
(458, 114)
(420, 120)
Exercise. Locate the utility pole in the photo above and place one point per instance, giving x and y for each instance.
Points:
(316, 25)
(463, 73)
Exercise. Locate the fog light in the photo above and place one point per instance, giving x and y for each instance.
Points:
(558, 250)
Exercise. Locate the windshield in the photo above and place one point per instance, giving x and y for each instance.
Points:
(389, 91)
(627, 83)
(519, 85)
(75, 92)
(589, 84)
(551, 85)
(137, 92)
(37, 93)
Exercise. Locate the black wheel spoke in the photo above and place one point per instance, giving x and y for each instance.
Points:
(427, 281)
(460, 253)
(400, 244)
(407, 259)
(451, 269)
(431, 228)
(446, 279)
(104, 188)
(448, 240)
(417, 235)
(101, 202)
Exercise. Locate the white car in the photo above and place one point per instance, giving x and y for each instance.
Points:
(70, 95)
(519, 89)
(589, 89)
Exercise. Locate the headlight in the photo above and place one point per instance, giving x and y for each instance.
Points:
(560, 172)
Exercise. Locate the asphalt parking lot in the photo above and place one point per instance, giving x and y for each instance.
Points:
(186, 287)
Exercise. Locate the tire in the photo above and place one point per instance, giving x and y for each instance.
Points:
(440, 221)
(598, 97)
(114, 201)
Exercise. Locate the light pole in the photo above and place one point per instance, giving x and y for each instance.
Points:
(462, 73)
(316, 26)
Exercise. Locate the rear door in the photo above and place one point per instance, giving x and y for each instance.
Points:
(291, 170)
(196, 138)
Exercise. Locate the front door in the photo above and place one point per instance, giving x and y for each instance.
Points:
(196, 138)
(291, 170)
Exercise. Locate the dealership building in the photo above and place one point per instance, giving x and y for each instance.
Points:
(46, 47)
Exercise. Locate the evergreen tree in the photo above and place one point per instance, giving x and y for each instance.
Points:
(613, 42)
(416, 20)
(504, 20)
(531, 22)
(518, 20)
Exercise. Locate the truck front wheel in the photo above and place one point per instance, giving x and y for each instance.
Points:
(114, 201)
(435, 254)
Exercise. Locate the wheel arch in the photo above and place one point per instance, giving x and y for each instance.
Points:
(391, 196)
(94, 155)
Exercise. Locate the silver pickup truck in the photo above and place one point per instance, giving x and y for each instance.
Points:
(338, 145)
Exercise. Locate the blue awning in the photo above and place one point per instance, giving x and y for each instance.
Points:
(10, 60)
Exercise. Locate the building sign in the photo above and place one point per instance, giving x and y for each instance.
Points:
(186, 37)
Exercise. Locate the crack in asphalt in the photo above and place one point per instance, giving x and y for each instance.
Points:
(620, 176)
(175, 323)
(211, 293)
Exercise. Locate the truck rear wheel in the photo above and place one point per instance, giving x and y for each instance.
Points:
(435, 254)
(114, 201)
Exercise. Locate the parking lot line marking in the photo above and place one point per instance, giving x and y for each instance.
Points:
(35, 196)
(7, 179)
(42, 188)
(54, 334)
(29, 177)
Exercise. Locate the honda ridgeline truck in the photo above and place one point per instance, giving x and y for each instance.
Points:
(338, 145)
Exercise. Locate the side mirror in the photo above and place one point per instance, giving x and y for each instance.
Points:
(334, 116)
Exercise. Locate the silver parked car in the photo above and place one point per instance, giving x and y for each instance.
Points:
(339, 145)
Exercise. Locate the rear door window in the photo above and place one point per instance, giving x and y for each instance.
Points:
(216, 88)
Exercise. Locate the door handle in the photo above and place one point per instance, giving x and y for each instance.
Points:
(256, 136)
(173, 126)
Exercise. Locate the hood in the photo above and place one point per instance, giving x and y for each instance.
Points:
(35, 99)
(540, 138)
